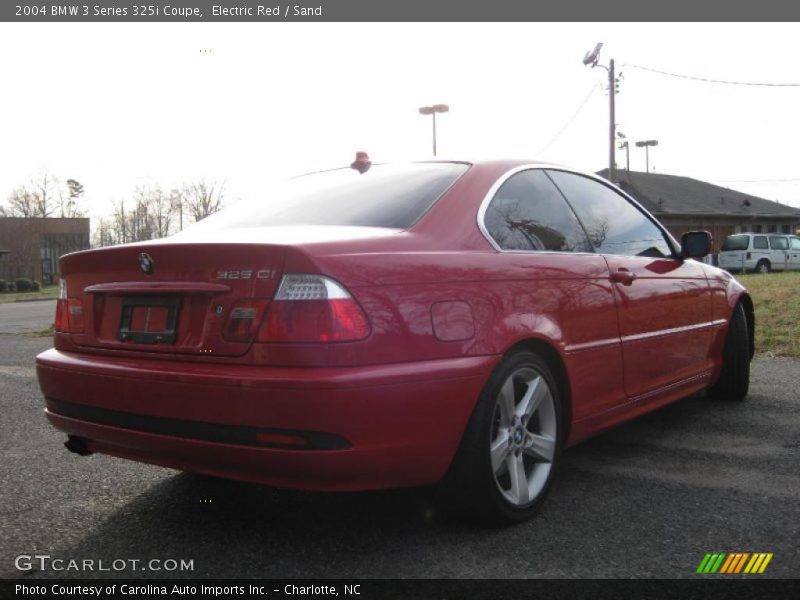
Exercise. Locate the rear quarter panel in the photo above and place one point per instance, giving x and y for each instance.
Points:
(565, 300)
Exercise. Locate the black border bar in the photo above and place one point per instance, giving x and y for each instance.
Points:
(440, 589)
(104, 11)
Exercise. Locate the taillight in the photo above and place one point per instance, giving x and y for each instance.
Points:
(313, 308)
(244, 319)
(61, 324)
(69, 312)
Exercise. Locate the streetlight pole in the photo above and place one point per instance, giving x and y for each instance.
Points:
(591, 60)
(623, 143)
(432, 110)
(646, 145)
(612, 92)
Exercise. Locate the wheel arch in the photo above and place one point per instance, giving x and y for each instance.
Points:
(750, 314)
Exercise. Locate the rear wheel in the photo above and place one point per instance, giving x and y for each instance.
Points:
(509, 452)
(734, 380)
(763, 267)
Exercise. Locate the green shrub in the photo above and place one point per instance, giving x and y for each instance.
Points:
(36, 286)
(24, 285)
(3, 285)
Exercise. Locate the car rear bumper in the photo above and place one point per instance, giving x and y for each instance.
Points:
(325, 429)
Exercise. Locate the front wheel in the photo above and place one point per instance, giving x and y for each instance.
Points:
(509, 452)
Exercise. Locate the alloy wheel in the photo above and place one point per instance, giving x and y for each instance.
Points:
(523, 438)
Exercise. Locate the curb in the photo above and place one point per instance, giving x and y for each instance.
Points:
(29, 300)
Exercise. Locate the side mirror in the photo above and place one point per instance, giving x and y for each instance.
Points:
(695, 244)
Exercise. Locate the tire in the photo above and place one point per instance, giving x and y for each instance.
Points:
(505, 463)
(734, 380)
(763, 267)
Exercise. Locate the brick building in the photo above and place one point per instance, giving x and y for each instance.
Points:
(685, 204)
(30, 247)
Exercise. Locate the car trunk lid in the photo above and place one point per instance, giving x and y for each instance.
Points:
(167, 297)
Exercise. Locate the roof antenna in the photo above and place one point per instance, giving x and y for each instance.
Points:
(362, 163)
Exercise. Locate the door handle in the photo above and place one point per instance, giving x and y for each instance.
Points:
(623, 276)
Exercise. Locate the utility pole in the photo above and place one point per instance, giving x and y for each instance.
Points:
(590, 60)
(612, 134)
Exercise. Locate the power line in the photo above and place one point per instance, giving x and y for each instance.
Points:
(595, 86)
(709, 80)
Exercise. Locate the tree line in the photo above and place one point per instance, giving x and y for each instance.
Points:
(153, 213)
(45, 196)
(150, 213)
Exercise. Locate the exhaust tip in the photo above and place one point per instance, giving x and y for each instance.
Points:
(77, 445)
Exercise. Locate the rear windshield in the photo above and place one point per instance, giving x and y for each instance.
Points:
(735, 242)
(393, 196)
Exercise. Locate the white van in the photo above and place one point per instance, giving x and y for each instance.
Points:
(760, 252)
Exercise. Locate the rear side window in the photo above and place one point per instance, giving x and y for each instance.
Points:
(779, 243)
(760, 243)
(614, 225)
(529, 213)
(392, 196)
(736, 242)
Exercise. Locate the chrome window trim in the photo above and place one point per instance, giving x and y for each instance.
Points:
(671, 242)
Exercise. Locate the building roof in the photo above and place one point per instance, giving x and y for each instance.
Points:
(674, 195)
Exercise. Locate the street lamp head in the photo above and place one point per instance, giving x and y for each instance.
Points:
(644, 143)
(436, 108)
(592, 56)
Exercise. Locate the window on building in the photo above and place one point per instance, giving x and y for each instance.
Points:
(54, 245)
(772, 229)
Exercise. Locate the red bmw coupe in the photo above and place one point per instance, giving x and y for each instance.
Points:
(400, 325)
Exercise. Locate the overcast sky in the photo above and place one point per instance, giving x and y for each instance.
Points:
(116, 105)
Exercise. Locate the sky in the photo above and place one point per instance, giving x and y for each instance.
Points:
(121, 105)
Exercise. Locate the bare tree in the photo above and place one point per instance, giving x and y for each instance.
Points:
(152, 216)
(104, 233)
(162, 212)
(43, 194)
(44, 197)
(21, 203)
(202, 199)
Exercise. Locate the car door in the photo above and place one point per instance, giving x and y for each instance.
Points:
(779, 247)
(663, 302)
(760, 251)
(557, 288)
(794, 253)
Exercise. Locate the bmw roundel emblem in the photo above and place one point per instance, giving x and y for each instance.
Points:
(146, 263)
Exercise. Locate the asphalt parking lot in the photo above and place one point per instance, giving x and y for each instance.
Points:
(647, 499)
